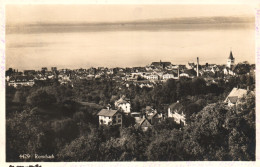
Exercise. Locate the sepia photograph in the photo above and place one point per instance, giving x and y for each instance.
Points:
(130, 82)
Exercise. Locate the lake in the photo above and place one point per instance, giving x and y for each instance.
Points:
(108, 46)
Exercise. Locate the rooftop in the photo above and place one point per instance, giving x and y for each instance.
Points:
(176, 106)
(106, 112)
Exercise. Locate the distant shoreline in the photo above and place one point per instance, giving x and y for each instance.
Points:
(143, 25)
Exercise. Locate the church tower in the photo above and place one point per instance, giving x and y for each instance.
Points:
(231, 60)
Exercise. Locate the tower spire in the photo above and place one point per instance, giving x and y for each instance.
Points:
(231, 59)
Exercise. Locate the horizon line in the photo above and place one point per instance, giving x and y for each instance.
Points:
(175, 20)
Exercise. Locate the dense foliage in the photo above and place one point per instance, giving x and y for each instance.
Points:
(61, 120)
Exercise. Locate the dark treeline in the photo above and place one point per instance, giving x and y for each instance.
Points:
(61, 120)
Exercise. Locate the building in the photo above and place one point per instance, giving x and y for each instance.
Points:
(188, 73)
(167, 76)
(53, 69)
(190, 65)
(235, 96)
(109, 117)
(154, 117)
(21, 81)
(44, 69)
(64, 79)
(123, 104)
(228, 71)
(161, 64)
(231, 60)
(144, 124)
(9, 72)
(151, 76)
(29, 72)
(175, 111)
(137, 116)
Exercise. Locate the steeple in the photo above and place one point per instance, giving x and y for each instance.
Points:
(231, 56)
(231, 60)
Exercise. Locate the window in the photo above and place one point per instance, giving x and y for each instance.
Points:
(119, 116)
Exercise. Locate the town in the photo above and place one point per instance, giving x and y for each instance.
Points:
(158, 96)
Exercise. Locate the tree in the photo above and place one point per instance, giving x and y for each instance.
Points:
(112, 150)
(205, 135)
(192, 108)
(24, 133)
(198, 86)
(84, 148)
(242, 68)
(242, 132)
(66, 129)
(166, 147)
(128, 120)
(135, 104)
(41, 98)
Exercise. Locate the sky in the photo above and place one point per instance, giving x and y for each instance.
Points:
(114, 13)
(75, 36)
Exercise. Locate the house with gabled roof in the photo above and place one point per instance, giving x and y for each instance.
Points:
(144, 124)
(109, 117)
(124, 104)
(17, 81)
(176, 112)
(235, 96)
(229, 71)
(190, 65)
(155, 117)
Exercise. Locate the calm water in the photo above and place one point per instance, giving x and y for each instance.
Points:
(127, 48)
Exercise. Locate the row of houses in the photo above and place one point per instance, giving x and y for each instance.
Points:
(144, 121)
(156, 71)
(111, 116)
(175, 112)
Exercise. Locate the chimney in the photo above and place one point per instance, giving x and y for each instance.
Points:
(197, 66)
(178, 72)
